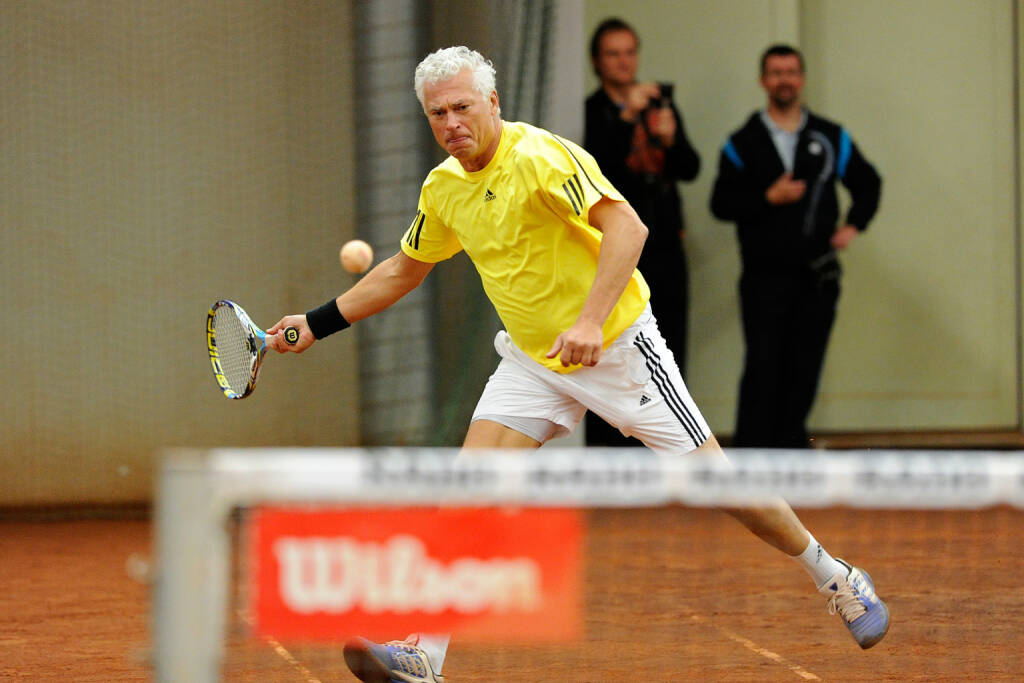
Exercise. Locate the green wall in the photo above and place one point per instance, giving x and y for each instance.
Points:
(927, 334)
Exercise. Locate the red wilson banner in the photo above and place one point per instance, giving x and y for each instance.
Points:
(482, 574)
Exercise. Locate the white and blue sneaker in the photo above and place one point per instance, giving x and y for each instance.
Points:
(397, 661)
(853, 596)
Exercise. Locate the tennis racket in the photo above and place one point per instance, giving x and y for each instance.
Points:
(237, 347)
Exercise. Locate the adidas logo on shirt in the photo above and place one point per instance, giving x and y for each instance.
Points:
(488, 196)
(645, 399)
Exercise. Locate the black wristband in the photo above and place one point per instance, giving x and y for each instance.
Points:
(326, 320)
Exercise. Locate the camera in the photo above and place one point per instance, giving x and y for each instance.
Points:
(666, 94)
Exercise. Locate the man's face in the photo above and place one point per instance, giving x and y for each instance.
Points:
(616, 59)
(783, 80)
(465, 123)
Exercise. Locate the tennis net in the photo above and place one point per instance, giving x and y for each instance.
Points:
(581, 564)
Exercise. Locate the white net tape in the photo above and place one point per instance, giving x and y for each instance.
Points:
(619, 477)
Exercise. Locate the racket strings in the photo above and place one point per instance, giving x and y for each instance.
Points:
(235, 347)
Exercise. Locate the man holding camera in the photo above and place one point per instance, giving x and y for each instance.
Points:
(636, 134)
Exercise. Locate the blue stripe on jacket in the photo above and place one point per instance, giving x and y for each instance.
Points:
(730, 151)
(845, 150)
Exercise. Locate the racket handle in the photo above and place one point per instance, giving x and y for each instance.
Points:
(290, 335)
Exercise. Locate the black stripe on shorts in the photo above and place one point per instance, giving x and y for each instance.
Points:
(668, 390)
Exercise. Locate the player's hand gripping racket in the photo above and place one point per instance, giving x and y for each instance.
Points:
(237, 347)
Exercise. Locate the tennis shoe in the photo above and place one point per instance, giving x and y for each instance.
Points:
(852, 595)
(397, 661)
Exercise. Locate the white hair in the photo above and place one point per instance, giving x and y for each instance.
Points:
(447, 63)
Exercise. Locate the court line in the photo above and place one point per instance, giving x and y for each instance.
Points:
(283, 652)
(288, 657)
(757, 649)
(732, 635)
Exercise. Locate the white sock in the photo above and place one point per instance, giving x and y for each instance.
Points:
(435, 646)
(818, 563)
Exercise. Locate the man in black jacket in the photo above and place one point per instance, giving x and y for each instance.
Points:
(777, 181)
(636, 134)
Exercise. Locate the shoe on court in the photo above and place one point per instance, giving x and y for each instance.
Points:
(853, 596)
(397, 661)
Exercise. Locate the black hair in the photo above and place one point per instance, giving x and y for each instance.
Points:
(608, 26)
(781, 50)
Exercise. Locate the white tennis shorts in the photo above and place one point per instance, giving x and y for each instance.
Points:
(635, 386)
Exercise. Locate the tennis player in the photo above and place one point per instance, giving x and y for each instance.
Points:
(556, 247)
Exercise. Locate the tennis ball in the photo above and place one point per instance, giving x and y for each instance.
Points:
(356, 256)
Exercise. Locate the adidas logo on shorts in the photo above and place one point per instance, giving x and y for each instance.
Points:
(645, 399)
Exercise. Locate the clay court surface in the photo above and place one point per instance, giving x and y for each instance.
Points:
(673, 594)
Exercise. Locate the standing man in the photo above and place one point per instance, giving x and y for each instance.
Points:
(556, 247)
(637, 137)
(777, 181)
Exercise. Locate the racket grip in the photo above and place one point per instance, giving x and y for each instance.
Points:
(291, 335)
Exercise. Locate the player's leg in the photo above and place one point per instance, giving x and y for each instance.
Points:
(514, 411)
(420, 657)
(518, 409)
(775, 524)
(640, 389)
(489, 433)
(849, 590)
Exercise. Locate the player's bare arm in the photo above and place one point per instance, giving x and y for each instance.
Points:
(388, 282)
(622, 241)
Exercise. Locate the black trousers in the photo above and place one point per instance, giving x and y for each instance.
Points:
(787, 321)
(665, 270)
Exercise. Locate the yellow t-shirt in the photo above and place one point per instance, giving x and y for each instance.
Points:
(522, 220)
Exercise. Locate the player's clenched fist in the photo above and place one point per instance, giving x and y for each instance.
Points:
(579, 345)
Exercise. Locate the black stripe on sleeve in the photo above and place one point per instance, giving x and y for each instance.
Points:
(572, 201)
(412, 227)
(419, 229)
(578, 192)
